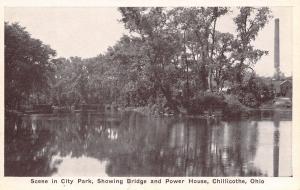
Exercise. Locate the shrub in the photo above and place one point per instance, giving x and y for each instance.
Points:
(233, 107)
(206, 101)
(249, 99)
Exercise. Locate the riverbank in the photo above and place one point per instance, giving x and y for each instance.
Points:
(229, 107)
(225, 106)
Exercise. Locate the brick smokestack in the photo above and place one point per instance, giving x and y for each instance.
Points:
(277, 50)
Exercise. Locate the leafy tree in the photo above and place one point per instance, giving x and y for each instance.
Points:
(222, 64)
(248, 22)
(198, 26)
(160, 45)
(27, 65)
(184, 43)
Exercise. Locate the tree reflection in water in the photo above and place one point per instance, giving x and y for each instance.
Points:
(131, 144)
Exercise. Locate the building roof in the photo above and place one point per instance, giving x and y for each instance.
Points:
(285, 81)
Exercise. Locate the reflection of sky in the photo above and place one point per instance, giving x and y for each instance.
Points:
(285, 151)
(264, 156)
(82, 166)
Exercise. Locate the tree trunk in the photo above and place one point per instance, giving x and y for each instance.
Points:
(171, 102)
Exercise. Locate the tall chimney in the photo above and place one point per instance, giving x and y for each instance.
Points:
(277, 50)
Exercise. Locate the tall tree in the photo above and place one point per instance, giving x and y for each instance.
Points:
(27, 65)
(198, 27)
(248, 22)
(151, 26)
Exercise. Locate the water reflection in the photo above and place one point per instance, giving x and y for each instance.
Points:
(131, 144)
(67, 166)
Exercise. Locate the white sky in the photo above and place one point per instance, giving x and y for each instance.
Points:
(87, 32)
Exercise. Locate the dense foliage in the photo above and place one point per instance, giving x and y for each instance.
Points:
(173, 60)
(27, 66)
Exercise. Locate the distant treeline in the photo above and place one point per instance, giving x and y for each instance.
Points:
(173, 59)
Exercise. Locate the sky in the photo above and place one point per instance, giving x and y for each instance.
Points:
(87, 32)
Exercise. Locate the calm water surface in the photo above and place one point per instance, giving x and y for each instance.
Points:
(130, 144)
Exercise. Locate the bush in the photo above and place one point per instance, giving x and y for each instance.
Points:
(205, 101)
(253, 93)
(233, 107)
(249, 99)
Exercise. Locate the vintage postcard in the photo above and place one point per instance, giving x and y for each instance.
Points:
(143, 96)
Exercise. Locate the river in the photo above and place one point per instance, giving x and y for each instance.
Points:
(131, 144)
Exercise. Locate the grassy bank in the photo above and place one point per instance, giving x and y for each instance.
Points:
(206, 106)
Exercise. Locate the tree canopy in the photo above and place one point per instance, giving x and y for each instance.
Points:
(27, 64)
(171, 57)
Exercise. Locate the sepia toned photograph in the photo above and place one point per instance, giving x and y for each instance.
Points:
(148, 91)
